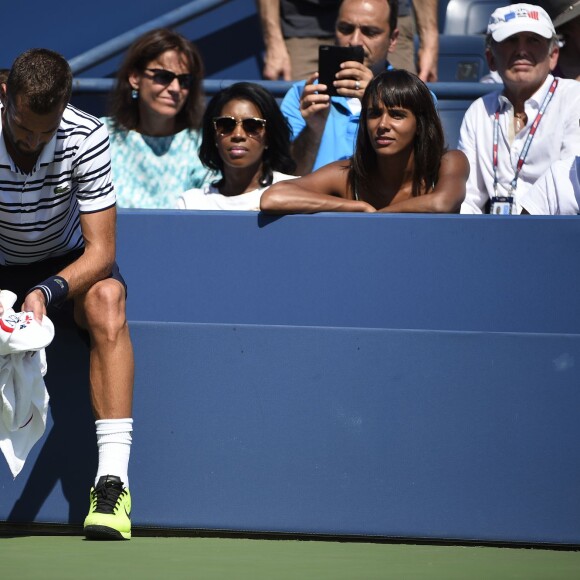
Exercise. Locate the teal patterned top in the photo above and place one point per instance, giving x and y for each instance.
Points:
(152, 172)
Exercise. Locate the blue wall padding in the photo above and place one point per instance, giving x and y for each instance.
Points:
(497, 274)
(326, 374)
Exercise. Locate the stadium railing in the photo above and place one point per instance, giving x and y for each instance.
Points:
(453, 98)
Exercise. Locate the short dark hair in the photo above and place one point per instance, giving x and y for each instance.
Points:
(124, 110)
(400, 88)
(43, 78)
(276, 157)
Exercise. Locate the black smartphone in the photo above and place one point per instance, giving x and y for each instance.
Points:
(330, 58)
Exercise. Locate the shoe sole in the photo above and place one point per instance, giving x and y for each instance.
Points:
(105, 533)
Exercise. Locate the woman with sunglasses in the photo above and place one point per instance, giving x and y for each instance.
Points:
(246, 139)
(400, 163)
(156, 110)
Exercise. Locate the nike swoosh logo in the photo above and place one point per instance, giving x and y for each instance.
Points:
(128, 513)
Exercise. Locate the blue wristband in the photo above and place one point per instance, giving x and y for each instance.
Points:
(55, 289)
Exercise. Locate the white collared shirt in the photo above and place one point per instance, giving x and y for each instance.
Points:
(557, 137)
(557, 192)
(39, 211)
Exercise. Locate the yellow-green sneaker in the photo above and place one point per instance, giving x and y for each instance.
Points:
(110, 511)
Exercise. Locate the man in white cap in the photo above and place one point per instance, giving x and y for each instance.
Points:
(511, 137)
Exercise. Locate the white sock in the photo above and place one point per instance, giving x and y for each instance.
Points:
(114, 444)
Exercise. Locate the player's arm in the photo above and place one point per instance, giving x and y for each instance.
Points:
(326, 189)
(93, 265)
(96, 262)
(97, 217)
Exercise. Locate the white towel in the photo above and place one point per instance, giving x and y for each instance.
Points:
(24, 398)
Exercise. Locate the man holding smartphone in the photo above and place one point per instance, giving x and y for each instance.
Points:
(324, 127)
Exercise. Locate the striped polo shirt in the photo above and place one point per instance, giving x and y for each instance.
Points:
(39, 211)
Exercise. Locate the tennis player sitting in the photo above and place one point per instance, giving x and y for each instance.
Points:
(57, 253)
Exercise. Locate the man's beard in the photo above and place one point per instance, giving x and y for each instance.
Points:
(20, 147)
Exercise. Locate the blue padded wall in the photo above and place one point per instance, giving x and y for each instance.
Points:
(360, 431)
(335, 374)
(445, 272)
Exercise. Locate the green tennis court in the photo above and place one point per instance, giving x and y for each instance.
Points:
(71, 557)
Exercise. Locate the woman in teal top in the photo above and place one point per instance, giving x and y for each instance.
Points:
(156, 110)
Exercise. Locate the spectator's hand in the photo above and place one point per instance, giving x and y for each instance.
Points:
(34, 302)
(277, 63)
(315, 104)
(352, 79)
(367, 207)
(427, 65)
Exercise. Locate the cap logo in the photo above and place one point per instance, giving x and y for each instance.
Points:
(519, 13)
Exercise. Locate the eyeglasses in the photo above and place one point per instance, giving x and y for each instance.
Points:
(252, 126)
(166, 77)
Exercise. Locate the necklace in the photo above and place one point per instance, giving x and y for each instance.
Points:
(520, 121)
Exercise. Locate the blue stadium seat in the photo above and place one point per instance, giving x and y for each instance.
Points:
(461, 58)
(451, 114)
(469, 16)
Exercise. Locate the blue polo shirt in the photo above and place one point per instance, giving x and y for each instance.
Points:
(338, 139)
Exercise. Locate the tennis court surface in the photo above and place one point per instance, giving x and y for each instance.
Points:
(68, 557)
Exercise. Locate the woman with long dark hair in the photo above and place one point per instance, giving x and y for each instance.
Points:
(400, 163)
(155, 114)
(246, 142)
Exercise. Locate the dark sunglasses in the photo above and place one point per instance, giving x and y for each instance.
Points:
(252, 126)
(165, 77)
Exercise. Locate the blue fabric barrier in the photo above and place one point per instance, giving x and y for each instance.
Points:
(335, 374)
(445, 272)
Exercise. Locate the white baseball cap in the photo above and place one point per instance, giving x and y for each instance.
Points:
(510, 20)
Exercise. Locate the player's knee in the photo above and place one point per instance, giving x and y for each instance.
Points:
(105, 304)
